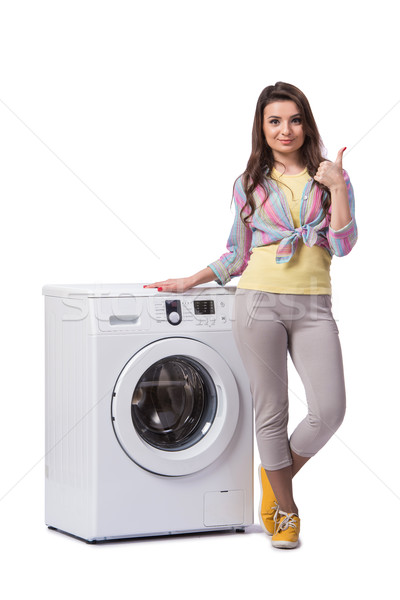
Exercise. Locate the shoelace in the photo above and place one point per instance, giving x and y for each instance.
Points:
(287, 522)
(276, 515)
(275, 508)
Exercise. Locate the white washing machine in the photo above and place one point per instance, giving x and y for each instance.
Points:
(148, 413)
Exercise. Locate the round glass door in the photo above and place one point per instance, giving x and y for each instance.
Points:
(174, 403)
(175, 406)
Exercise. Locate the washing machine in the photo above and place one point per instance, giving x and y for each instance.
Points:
(148, 413)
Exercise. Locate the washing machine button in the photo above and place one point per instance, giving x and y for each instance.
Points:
(174, 318)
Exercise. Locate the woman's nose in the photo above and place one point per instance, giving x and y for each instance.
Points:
(285, 127)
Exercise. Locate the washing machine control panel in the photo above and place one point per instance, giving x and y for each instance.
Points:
(186, 312)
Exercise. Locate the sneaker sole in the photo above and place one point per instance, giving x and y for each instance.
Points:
(259, 506)
(283, 544)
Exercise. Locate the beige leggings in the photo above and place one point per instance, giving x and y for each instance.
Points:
(266, 327)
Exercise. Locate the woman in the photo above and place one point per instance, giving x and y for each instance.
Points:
(294, 210)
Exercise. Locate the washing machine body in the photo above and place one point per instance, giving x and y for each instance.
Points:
(148, 413)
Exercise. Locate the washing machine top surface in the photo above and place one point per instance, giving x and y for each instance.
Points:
(114, 290)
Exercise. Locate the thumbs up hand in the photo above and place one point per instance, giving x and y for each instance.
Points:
(331, 173)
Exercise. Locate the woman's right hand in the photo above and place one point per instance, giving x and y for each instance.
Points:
(172, 285)
(184, 283)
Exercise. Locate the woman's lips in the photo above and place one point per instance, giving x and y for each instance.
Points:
(285, 141)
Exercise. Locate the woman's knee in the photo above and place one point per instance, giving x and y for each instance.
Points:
(329, 419)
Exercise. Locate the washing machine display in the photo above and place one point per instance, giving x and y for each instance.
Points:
(204, 307)
(174, 403)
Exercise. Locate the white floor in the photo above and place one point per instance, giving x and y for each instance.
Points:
(349, 545)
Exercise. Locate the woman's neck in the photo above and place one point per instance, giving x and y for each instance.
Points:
(290, 165)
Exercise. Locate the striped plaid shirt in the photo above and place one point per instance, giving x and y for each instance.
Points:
(272, 222)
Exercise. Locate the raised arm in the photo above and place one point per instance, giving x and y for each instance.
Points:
(342, 231)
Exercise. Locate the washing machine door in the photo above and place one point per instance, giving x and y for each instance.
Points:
(175, 406)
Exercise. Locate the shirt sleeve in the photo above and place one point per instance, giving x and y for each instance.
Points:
(341, 241)
(234, 262)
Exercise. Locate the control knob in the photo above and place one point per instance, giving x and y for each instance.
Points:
(174, 318)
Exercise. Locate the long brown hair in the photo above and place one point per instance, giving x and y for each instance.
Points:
(261, 161)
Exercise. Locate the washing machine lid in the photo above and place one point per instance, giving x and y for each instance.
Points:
(115, 290)
(175, 406)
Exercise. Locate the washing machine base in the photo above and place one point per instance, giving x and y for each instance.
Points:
(126, 538)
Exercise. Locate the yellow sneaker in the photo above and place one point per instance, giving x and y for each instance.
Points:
(268, 508)
(287, 530)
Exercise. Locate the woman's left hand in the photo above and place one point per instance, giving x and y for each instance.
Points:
(331, 173)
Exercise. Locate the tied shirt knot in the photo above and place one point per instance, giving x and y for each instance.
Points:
(288, 245)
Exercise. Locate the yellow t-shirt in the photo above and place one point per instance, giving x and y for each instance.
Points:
(308, 270)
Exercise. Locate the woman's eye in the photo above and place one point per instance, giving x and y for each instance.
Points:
(297, 120)
(274, 122)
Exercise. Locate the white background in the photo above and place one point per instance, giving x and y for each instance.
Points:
(122, 128)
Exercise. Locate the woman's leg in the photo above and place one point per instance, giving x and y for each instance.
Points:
(263, 336)
(315, 350)
(281, 482)
(262, 341)
(298, 462)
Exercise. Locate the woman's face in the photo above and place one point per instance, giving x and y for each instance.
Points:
(283, 128)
